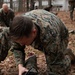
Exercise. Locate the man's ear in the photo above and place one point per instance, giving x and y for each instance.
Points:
(34, 31)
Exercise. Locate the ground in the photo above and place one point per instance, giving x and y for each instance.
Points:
(8, 66)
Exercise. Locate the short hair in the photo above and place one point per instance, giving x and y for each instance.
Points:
(21, 26)
(4, 5)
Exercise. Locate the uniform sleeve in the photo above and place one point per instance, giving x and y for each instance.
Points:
(12, 15)
(4, 47)
(1, 20)
(19, 53)
(0, 16)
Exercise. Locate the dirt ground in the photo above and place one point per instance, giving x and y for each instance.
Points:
(8, 67)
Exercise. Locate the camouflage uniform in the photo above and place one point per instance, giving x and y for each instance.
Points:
(6, 18)
(52, 39)
(4, 43)
(72, 6)
(5, 46)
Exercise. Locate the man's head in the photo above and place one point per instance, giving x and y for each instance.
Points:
(23, 30)
(5, 8)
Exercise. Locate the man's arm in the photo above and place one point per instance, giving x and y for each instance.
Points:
(4, 43)
(0, 14)
(1, 19)
(12, 15)
(19, 53)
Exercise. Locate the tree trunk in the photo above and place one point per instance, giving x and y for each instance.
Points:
(20, 9)
(27, 2)
(49, 3)
(1, 2)
(11, 4)
(32, 5)
(24, 5)
(40, 4)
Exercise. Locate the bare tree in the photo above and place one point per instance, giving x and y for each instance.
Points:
(11, 4)
(1, 2)
(32, 5)
(49, 3)
(24, 5)
(20, 9)
(40, 3)
(27, 5)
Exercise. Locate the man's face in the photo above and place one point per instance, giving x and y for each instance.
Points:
(5, 9)
(27, 40)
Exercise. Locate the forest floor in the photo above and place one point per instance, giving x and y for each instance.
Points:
(8, 66)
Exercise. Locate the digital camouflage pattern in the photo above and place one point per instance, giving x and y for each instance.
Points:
(4, 42)
(71, 8)
(52, 39)
(5, 46)
(6, 18)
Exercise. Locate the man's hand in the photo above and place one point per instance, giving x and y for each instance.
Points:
(22, 69)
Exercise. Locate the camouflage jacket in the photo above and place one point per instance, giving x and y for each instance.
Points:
(6, 18)
(52, 33)
(4, 42)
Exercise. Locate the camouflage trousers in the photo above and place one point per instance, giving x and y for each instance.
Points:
(71, 11)
(58, 68)
(58, 63)
(55, 68)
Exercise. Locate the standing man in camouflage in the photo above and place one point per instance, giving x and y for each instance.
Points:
(6, 15)
(72, 6)
(45, 32)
